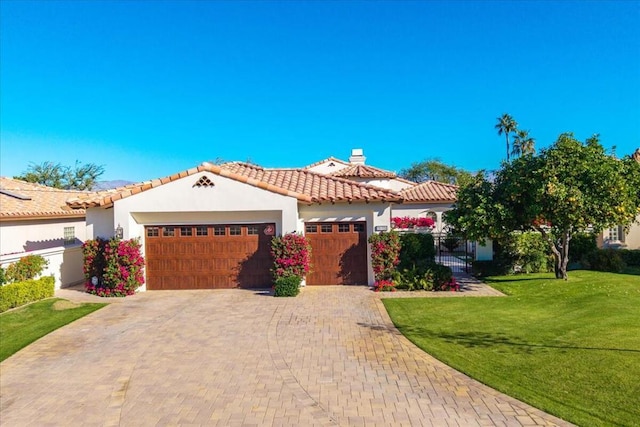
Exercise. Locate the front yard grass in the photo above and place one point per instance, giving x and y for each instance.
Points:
(569, 348)
(22, 326)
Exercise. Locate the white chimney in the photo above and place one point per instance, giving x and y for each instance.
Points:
(357, 156)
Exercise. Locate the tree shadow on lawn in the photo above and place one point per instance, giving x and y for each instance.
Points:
(486, 340)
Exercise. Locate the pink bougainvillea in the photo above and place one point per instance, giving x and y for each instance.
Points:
(385, 254)
(291, 255)
(116, 264)
(410, 222)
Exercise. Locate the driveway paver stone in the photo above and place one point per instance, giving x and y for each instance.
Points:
(328, 357)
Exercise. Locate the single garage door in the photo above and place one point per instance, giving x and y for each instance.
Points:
(338, 253)
(208, 256)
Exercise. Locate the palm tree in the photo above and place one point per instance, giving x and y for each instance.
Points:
(523, 143)
(506, 124)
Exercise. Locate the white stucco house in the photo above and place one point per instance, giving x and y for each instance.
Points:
(35, 220)
(210, 226)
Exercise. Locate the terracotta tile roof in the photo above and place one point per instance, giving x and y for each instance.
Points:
(26, 200)
(363, 171)
(328, 159)
(430, 191)
(304, 185)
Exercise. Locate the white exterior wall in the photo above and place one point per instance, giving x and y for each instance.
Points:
(632, 238)
(65, 263)
(420, 210)
(100, 223)
(31, 235)
(375, 214)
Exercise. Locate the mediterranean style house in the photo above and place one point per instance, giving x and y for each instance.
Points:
(210, 226)
(619, 238)
(35, 220)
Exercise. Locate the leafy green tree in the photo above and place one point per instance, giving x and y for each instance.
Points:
(78, 177)
(436, 170)
(506, 125)
(568, 188)
(523, 144)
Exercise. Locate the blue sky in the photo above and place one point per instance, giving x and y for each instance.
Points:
(151, 88)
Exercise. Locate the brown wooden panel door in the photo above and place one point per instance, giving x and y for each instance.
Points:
(208, 256)
(338, 253)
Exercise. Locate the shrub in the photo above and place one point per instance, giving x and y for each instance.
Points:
(385, 254)
(26, 268)
(3, 278)
(630, 256)
(581, 246)
(524, 252)
(117, 264)
(490, 268)
(291, 255)
(20, 293)
(410, 222)
(384, 286)
(287, 286)
(434, 277)
(416, 249)
(609, 260)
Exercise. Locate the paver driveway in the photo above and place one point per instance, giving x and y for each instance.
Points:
(234, 357)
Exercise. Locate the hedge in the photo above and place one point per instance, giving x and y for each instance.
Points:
(20, 293)
(630, 256)
(287, 286)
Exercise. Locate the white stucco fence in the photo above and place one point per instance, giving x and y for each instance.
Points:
(65, 263)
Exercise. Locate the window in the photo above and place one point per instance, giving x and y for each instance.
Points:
(186, 231)
(358, 228)
(69, 235)
(152, 232)
(202, 231)
(616, 234)
(311, 228)
(235, 230)
(326, 228)
(219, 230)
(169, 231)
(252, 230)
(343, 228)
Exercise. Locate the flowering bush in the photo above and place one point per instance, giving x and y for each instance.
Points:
(384, 286)
(26, 268)
(452, 285)
(409, 222)
(117, 264)
(291, 255)
(385, 254)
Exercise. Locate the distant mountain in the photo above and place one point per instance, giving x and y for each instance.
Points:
(108, 185)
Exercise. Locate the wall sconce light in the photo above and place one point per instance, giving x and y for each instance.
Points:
(119, 232)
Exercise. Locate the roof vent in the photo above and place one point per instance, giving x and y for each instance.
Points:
(204, 181)
(357, 156)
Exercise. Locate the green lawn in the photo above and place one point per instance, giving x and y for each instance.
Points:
(569, 348)
(21, 327)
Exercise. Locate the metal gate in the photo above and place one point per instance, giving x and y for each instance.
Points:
(455, 252)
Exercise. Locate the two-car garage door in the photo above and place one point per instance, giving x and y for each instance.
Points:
(238, 255)
(208, 256)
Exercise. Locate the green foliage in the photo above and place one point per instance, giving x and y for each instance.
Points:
(78, 177)
(287, 286)
(432, 277)
(506, 124)
(582, 244)
(568, 350)
(3, 277)
(451, 242)
(117, 264)
(385, 254)
(24, 325)
(435, 170)
(606, 260)
(565, 189)
(526, 252)
(631, 257)
(26, 268)
(416, 249)
(20, 293)
(496, 267)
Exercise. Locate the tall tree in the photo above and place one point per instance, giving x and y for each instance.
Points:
(567, 188)
(523, 144)
(78, 177)
(436, 170)
(506, 124)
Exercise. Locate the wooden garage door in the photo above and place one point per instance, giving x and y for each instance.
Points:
(338, 253)
(208, 256)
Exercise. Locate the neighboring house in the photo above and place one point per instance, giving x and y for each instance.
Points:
(210, 226)
(616, 237)
(35, 220)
